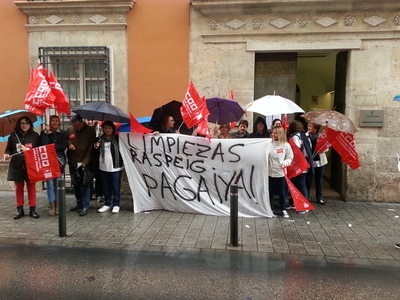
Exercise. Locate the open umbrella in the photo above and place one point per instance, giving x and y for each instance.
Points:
(172, 108)
(9, 118)
(273, 105)
(101, 111)
(223, 110)
(332, 119)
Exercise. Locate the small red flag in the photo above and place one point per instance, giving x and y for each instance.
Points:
(61, 102)
(299, 200)
(231, 95)
(42, 163)
(299, 163)
(345, 145)
(137, 127)
(202, 128)
(193, 108)
(322, 142)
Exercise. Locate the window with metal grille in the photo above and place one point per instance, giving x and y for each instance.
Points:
(83, 72)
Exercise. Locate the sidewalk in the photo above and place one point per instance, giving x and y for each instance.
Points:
(341, 232)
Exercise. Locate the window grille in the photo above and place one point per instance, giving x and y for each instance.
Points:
(83, 72)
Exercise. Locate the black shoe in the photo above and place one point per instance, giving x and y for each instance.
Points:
(33, 212)
(20, 212)
(76, 207)
(84, 212)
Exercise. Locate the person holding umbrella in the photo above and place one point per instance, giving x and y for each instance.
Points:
(81, 138)
(110, 166)
(23, 138)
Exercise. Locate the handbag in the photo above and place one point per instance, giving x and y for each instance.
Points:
(82, 177)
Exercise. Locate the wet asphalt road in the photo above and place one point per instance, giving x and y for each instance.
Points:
(44, 272)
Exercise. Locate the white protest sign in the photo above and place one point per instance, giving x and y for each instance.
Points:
(191, 174)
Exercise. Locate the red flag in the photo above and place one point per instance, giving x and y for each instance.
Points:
(345, 145)
(61, 102)
(232, 125)
(193, 108)
(231, 95)
(285, 124)
(39, 95)
(202, 128)
(42, 163)
(299, 163)
(299, 200)
(137, 127)
(322, 142)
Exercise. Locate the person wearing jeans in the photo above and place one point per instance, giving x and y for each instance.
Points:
(319, 163)
(110, 165)
(52, 134)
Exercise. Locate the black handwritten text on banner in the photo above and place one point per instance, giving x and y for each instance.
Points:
(190, 174)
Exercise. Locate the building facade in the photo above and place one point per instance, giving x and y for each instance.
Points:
(340, 54)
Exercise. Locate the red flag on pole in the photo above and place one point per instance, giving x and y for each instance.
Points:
(42, 163)
(61, 102)
(231, 96)
(345, 145)
(39, 95)
(299, 163)
(322, 142)
(299, 200)
(137, 127)
(193, 108)
(202, 128)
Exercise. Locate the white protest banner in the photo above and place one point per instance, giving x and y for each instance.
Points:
(191, 174)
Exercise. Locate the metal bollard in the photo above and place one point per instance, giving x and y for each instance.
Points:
(62, 208)
(234, 215)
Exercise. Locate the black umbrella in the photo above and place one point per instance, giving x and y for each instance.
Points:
(101, 111)
(173, 109)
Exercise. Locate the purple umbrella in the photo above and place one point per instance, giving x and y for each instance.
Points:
(223, 110)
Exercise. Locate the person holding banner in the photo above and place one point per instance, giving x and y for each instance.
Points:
(52, 134)
(81, 138)
(319, 163)
(23, 138)
(260, 129)
(110, 166)
(280, 155)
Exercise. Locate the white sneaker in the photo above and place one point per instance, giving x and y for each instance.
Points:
(285, 214)
(104, 208)
(302, 212)
(115, 210)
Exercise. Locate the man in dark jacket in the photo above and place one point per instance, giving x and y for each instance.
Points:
(81, 138)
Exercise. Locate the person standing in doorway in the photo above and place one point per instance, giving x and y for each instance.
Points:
(81, 138)
(319, 163)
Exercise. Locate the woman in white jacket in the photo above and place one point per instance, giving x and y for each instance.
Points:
(280, 156)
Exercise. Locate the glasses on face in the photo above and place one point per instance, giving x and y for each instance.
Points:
(224, 127)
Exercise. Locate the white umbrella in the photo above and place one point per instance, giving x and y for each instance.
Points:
(273, 105)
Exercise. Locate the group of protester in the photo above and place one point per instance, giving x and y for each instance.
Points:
(81, 147)
(89, 154)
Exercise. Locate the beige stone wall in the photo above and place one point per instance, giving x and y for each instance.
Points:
(223, 43)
